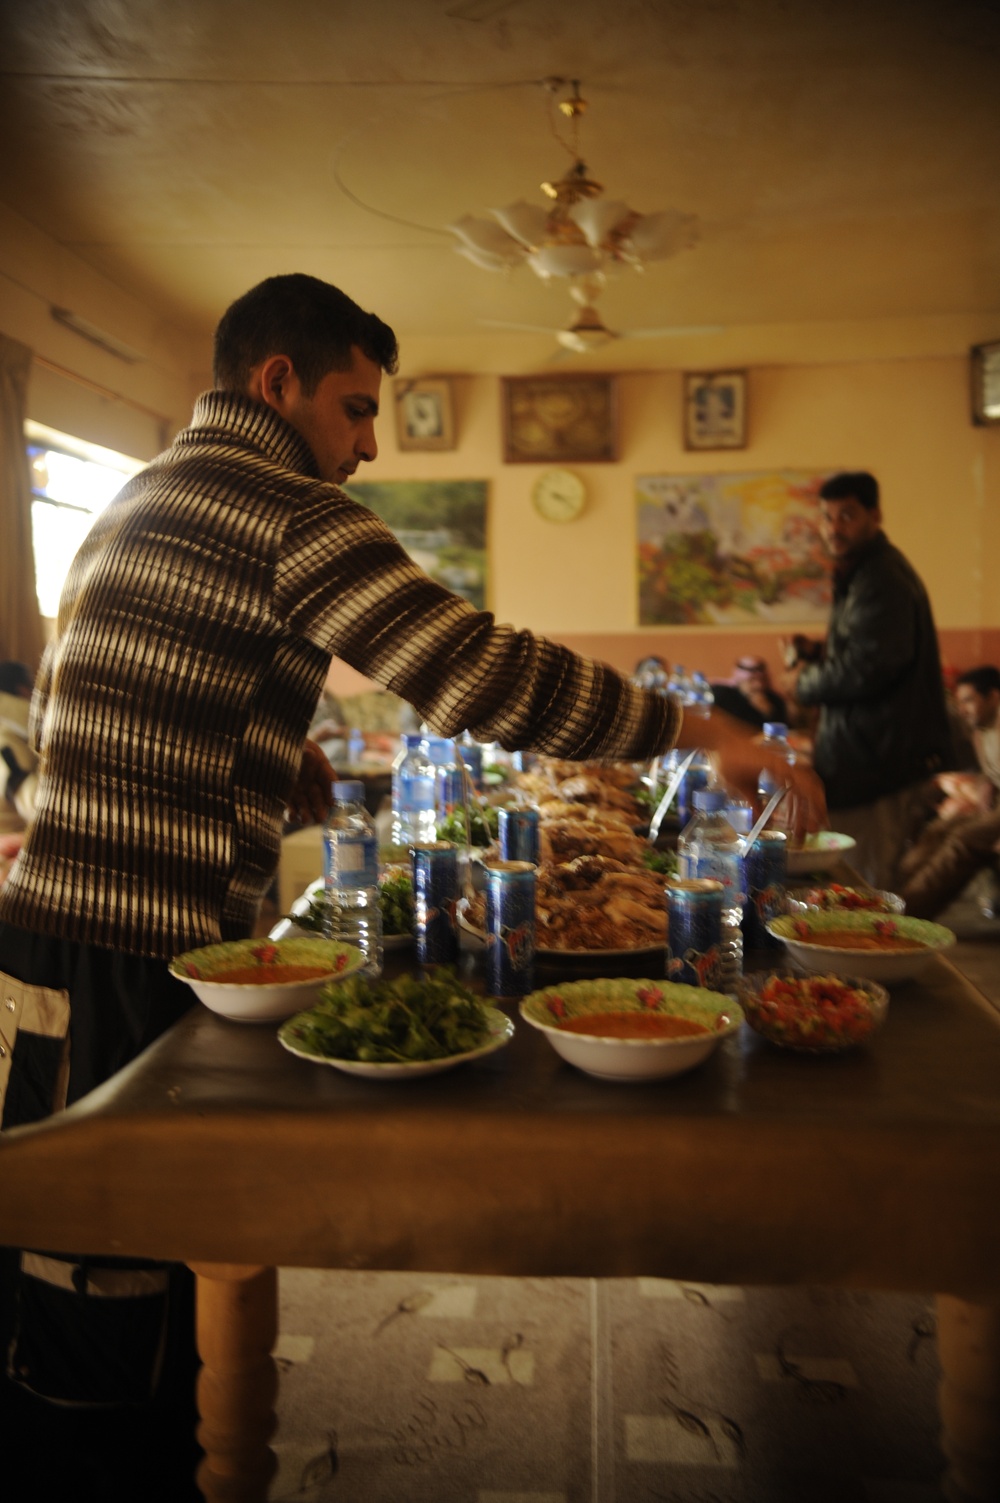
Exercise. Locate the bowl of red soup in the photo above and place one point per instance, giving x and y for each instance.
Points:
(813, 1014)
(621, 1029)
(265, 980)
(886, 947)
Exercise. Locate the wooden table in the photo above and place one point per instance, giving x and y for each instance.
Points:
(878, 1169)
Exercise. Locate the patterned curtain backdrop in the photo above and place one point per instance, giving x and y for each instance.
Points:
(21, 633)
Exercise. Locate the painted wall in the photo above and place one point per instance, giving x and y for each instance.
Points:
(904, 418)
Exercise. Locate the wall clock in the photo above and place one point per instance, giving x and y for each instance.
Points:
(559, 495)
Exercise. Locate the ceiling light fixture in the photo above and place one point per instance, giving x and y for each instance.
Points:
(103, 340)
(582, 236)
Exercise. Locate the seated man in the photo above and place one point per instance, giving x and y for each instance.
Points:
(750, 695)
(965, 836)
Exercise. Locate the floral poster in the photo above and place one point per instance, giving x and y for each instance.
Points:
(440, 523)
(730, 550)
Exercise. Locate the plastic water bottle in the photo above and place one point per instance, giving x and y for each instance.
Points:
(355, 746)
(680, 684)
(775, 737)
(350, 851)
(709, 847)
(414, 816)
(702, 698)
(471, 752)
(695, 778)
(739, 812)
(448, 778)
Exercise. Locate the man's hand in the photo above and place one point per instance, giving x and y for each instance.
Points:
(739, 756)
(312, 795)
(789, 680)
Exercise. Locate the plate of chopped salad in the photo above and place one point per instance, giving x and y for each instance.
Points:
(396, 1030)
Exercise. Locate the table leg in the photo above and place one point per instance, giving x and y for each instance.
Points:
(969, 1349)
(237, 1321)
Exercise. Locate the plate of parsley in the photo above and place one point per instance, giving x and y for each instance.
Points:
(399, 1029)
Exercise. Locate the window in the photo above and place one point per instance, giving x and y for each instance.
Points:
(72, 482)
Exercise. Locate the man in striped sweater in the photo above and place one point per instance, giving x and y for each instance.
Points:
(193, 638)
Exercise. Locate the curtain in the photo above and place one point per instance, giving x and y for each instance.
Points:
(22, 636)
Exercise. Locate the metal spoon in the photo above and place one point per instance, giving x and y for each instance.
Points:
(769, 809)
(672, 787)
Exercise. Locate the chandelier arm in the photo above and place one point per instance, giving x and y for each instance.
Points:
(572, 150)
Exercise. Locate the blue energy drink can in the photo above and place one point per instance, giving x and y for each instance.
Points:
(510, 928)
(766, 869)
(518, 835)
(435, 899)
(694, 931)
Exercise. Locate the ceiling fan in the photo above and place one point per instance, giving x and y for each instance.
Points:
(588, 331)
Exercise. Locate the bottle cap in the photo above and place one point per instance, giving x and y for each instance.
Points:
(352, 791)
(711, 800)
(411, 740)
(775, 728)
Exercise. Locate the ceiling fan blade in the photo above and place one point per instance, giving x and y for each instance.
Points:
(497, 323)
(679, 332)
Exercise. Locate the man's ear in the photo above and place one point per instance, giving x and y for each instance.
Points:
(274, 382)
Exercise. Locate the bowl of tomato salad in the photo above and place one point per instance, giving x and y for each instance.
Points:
(835, 897)
(813, 1014)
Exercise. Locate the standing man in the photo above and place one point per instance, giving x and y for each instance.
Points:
(883, 726)
(194, 636)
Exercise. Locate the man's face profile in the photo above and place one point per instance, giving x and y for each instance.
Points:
(846, 525)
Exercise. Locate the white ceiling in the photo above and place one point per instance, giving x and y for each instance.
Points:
(841, 156)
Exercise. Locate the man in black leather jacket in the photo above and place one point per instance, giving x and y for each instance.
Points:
(883, 726)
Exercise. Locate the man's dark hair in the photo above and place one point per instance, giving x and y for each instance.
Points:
(313, 323)
(984, 680)
(856, 485)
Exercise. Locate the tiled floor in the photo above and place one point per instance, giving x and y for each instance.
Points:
(398, 1388)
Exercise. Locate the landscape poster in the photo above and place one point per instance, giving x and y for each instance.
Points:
(440, 523)
(731, 549)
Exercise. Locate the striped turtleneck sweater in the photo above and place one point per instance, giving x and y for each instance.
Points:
(194, 635)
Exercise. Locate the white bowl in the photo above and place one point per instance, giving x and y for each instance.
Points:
(811, 954)
(632, 1059)
(266, 1001)
(820, 852)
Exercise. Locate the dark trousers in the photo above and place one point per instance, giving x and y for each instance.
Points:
(97, 1392)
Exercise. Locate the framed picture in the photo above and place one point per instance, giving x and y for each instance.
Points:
(549, 419)
(715, 410)
(985, 370)
(423, 414)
